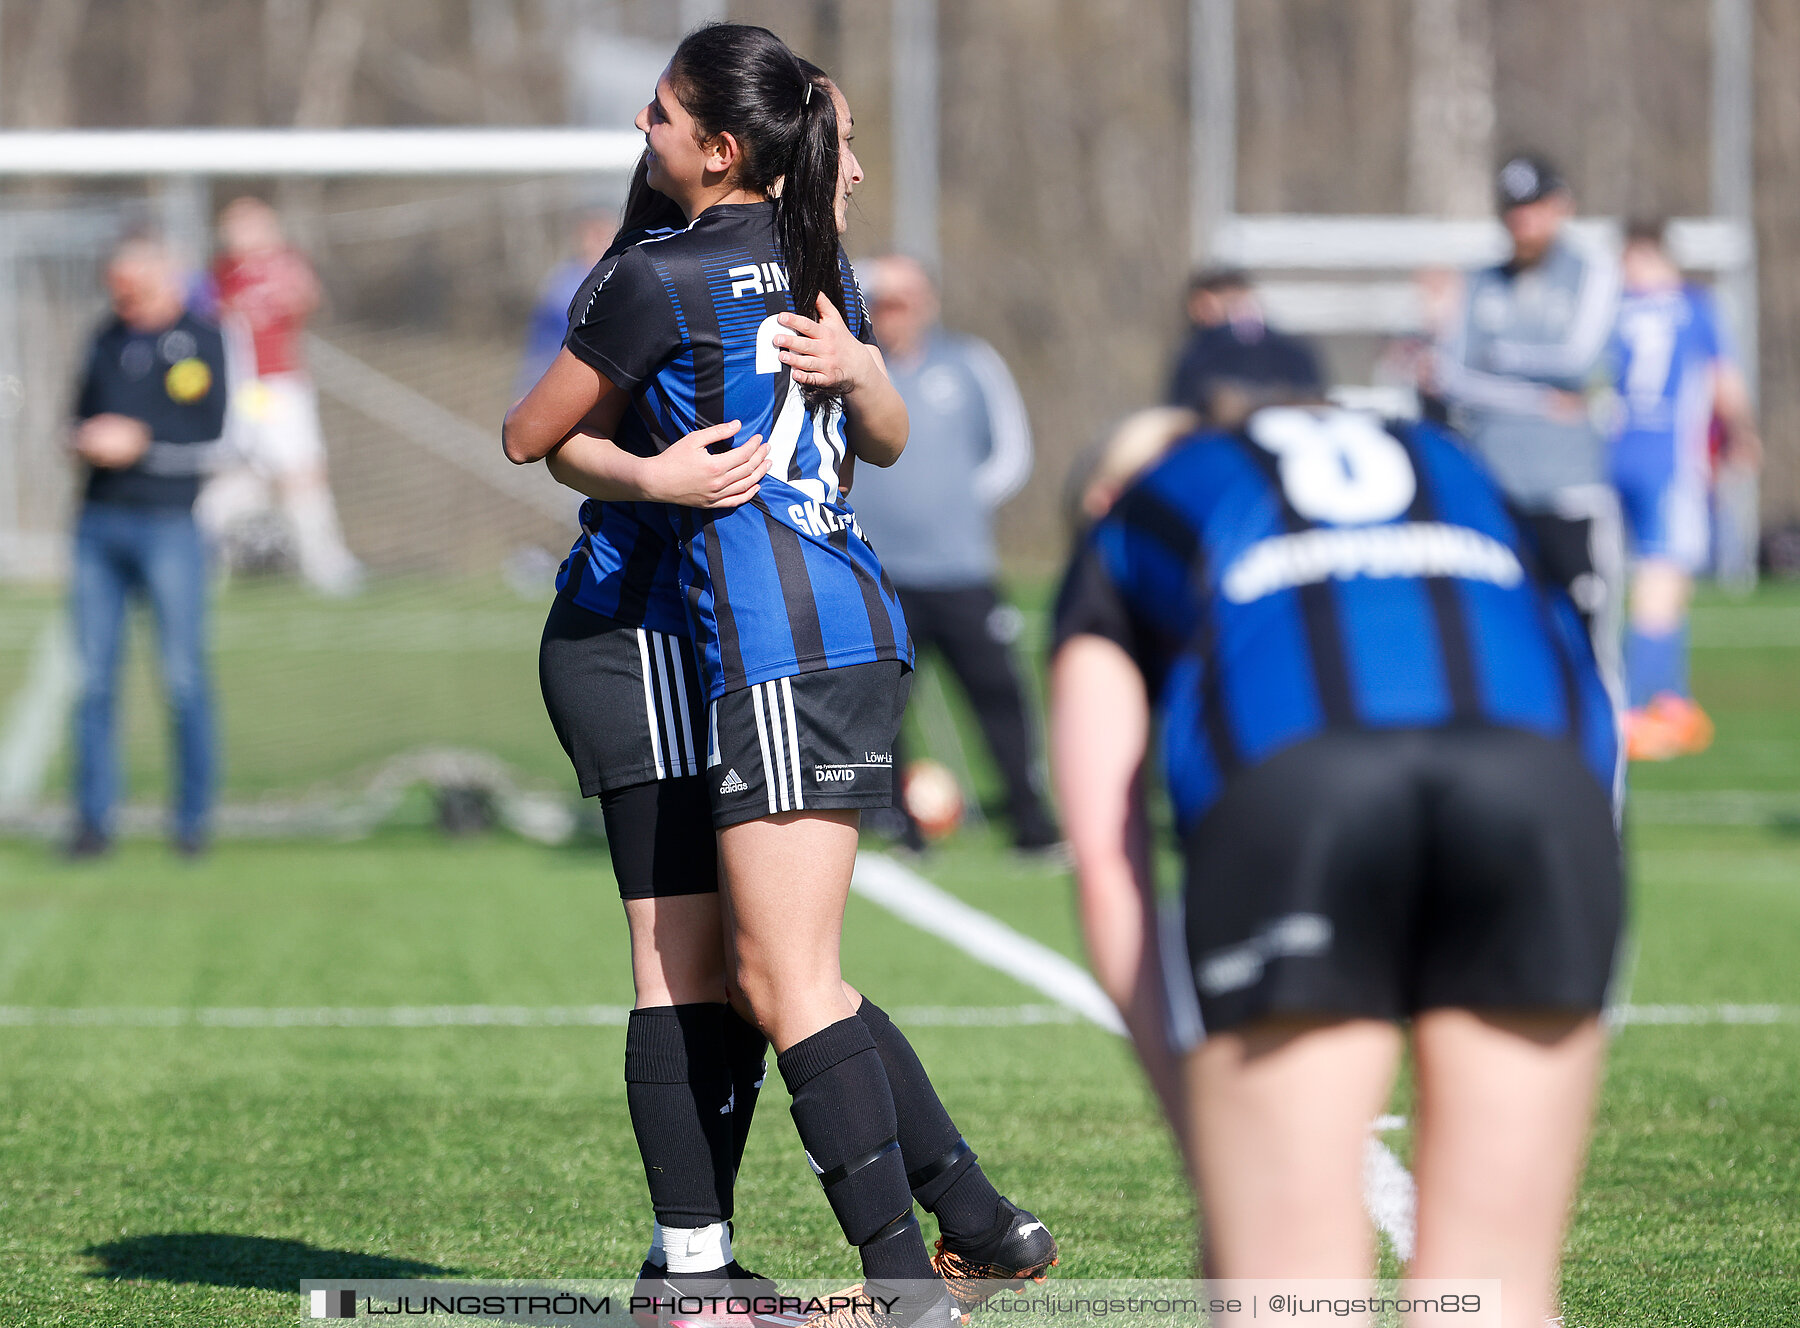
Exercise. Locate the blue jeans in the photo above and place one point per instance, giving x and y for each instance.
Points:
(158, 554)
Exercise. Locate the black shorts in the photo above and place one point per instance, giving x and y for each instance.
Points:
(1380, 874)
(812, 742)
(1580, 546)
(1565, 545)
(625, 703)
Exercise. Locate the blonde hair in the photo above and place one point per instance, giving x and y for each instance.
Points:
(1134, 445)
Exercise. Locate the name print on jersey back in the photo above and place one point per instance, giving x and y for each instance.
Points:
(1321, 570)
(757, 279)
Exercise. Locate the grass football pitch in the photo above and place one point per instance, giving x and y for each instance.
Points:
(193, 1173)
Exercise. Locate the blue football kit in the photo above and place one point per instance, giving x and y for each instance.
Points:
(1321, 571)
(1387, 745)
(623, 565)
(1666, 347)
(785, 584)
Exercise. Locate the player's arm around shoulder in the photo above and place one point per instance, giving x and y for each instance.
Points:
(876, 416)
(568, 421)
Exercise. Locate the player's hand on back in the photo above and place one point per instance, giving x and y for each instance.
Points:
(688, 474)
(822, 352)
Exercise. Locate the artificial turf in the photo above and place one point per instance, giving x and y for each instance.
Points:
(194, 1175)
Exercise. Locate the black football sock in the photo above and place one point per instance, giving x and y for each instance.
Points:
(678, 1087)
(745, 1046)
(844, 1111)
(941, 1168)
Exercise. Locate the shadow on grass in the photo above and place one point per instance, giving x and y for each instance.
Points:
(216, 1259)
(260, 1263)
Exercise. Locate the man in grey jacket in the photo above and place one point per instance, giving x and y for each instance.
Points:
(1530, 341)
(931, 518)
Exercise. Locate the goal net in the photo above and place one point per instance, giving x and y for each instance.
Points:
(333, 709)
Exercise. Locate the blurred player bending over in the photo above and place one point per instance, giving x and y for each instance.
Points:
(269, 289)
(1529, 343)
(1390, 757)
(1674, 375)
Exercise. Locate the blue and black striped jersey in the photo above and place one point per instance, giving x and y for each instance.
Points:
(625, 563)
(786, 583)
(1319, 571)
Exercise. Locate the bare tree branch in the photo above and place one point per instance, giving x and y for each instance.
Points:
(1451, 138)
(337, 44)
(43, 99)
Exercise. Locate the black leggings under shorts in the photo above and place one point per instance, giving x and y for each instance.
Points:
(627, 706)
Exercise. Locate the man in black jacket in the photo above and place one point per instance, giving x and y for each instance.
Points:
(148, 423)
(1233, 358)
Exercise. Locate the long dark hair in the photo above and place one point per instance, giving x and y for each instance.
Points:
(645, 209)
(743, 80)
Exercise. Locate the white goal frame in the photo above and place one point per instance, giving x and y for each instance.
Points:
(1722, 244)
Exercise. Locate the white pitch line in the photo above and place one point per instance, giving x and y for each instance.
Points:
(912, 898)
(615, 1016)
(37, 717)
(1391, 1196)
(455, 1016)
(1388, 1190)
(1714, 807)
(1703, 1015)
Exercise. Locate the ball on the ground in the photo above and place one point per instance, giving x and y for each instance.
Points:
(933, 797)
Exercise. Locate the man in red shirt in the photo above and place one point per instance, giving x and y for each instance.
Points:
(267, 291)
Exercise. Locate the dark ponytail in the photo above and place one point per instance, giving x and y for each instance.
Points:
(743, 80)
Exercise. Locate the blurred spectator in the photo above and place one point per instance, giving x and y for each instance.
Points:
(1233, 359)
(1674, 378)
(550, 315)
(1409, 361)
(1527, 346)
(932, 519)
(267, 289)
(149, 418)
(1737, 515)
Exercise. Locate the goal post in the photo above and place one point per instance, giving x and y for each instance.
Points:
(1362, 255)
(433, 246)
(335, 153)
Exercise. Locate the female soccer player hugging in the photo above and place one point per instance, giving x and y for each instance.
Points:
(727, 655)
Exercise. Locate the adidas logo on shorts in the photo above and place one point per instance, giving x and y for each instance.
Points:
(734, 783)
